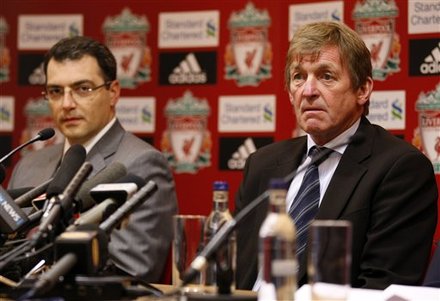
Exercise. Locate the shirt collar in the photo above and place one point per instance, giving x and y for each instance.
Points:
(337, 144)
(90, 143)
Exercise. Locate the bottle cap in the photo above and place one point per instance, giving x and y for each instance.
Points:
(220, 185)
(278, 183)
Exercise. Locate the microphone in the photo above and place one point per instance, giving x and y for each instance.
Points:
(87, 243)
(62, 207)
(200, 262)
(18, 192)
(59, 198)
(48, 279)
(41, 136)
(71, 163)
(25, 199)
(110, 197)
(2, 173)
(111, 173)
(128, 207)
(11, 215)
(84, 251)
(57, 205)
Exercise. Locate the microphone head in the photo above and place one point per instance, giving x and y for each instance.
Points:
(72, 162)
(119, 191)
(45, 134)
(2, 173)
(18, 192)
(110, 174)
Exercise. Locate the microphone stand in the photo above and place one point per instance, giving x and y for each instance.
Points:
(42, 135)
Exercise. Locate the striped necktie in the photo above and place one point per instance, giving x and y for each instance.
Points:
(305, 205)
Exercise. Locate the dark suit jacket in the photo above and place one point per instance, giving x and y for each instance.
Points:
(384, 186)
(141, 248)
(432, 277)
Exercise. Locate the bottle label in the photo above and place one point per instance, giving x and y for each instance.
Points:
(284, 267)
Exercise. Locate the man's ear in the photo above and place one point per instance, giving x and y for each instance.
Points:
(364, 92)
(115, 91)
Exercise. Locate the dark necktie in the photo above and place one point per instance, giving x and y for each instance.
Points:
(305, 204)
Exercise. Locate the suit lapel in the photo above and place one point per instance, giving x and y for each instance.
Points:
(105, 148)
(288, 161)
(348, 173)
(48, 167)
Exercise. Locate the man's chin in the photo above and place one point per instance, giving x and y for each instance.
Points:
(313, 128)
(72, 135)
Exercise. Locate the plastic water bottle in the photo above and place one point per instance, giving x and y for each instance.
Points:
(221, 269)
(277, 248)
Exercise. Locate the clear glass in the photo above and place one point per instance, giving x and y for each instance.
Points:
(187, 243)
(329, 258)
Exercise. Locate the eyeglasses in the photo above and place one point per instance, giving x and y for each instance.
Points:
(78, 92)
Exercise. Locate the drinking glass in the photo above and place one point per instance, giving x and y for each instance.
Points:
(187, 243)
(329, 259)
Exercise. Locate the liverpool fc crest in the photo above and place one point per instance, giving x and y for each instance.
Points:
(248, 55)
(186, 142)
(428, 107)
(375, 21)
(125, 35)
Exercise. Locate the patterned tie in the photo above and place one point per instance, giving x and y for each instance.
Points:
(305, 205)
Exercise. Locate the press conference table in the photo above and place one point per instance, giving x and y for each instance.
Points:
(237, 295)
(393, 292)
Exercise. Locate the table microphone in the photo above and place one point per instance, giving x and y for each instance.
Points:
(200, 262)
(2, 173)
(25, 199)
(41, 136)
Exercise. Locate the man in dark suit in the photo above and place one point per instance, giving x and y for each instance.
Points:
(82, 92)
(384, 186)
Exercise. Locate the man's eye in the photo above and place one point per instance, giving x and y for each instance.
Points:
(327, 76)
(83, 88)
(297, 76)
(55, 91)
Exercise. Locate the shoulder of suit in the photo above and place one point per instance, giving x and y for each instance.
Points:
(280, 147)
(45, 151)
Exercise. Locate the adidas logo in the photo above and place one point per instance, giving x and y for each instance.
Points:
(239, 157)
(432, 62)
(37, 76)
(188, 72)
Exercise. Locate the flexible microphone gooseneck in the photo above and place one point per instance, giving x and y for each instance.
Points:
(41, 136)
(200, 262)
(25, 200)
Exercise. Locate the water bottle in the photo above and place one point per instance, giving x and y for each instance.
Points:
(277, 248)
(220, 271)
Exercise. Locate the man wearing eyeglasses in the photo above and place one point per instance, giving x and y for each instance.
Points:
(82, 91)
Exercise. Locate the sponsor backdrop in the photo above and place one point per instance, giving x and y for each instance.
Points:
(203, 80)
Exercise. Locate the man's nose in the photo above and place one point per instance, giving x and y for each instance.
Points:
(310, 87)
(68, 99)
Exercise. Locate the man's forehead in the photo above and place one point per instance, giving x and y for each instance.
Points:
(326, 53)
